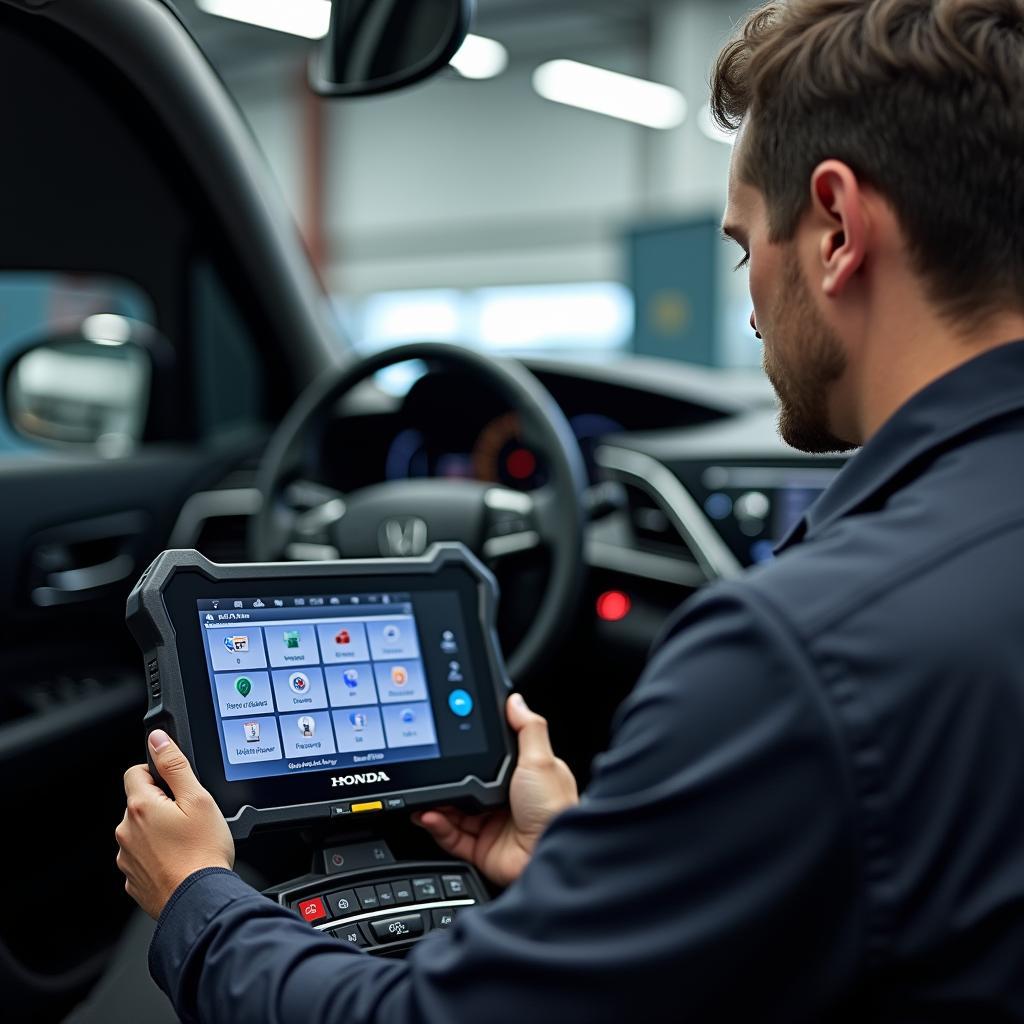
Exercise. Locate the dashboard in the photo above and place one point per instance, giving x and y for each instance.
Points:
(496, 453)
(449, 426)
(706, 486)
(690, 481)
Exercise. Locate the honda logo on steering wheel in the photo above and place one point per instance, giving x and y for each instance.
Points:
(403, 537)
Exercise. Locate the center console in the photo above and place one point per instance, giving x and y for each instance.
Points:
(324, 696)
(362, 896)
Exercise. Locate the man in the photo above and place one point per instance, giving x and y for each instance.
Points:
(813, 804)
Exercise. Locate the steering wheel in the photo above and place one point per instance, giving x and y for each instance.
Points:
(299, 518)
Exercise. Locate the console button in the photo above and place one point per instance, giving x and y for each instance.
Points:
(402, 891)
(391, 929)
(312, 910)
(368, 898)
(351, 935)
(342, 903)
(444, 918)
(454, 886)
(370, 805)
(425, 888)
(385, 895)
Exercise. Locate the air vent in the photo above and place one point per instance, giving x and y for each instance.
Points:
(653, 530)
(217, 523)
(224, 539)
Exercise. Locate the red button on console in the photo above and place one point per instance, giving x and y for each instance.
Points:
(312, 910)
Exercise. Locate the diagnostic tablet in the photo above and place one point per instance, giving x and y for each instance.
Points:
(311, 691)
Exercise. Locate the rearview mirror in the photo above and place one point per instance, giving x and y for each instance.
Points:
(376, 46)
(86, 389)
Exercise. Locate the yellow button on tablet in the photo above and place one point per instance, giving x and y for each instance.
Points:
(374, 805)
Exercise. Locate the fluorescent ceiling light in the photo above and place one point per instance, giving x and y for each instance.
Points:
(480, 58)
(309, 18)
(608, 92)
(712, 129)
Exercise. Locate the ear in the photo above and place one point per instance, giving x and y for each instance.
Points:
(839, 211)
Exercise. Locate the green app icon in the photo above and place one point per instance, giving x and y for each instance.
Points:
(291, 638)
(243, 685)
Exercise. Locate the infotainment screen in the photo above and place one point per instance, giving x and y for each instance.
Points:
(316, 681)
(304, 691)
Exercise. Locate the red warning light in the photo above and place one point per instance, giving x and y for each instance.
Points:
(613, 605)
(521, 464)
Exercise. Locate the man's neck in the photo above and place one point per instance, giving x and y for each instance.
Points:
(906, 361)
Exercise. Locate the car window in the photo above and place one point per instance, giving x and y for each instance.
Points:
(474, 209)
(593, 319)
(228, 370)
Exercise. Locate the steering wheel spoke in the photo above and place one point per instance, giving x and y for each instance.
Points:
(511, 526)
(318, 511)
(307, 515)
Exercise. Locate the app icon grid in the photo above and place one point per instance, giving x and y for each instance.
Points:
(326, 714)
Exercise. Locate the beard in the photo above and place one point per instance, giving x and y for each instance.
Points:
(803, 362)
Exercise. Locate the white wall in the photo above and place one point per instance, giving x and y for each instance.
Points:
(466, 183)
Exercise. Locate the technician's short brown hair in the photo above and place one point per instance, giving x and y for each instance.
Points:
(923, 99)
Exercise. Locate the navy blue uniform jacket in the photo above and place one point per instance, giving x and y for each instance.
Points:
(812, 807)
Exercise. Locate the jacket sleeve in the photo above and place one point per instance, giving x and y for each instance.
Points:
(712, 867)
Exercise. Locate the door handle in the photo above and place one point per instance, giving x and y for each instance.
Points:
(78, 561)
(74, 584)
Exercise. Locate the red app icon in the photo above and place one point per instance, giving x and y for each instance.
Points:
(312, 910)
(343, 637)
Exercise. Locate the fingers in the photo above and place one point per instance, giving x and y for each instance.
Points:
(173, 767)
(124, 860)
(447, 834)
(138, 782)
(532, 732)
(471, 824)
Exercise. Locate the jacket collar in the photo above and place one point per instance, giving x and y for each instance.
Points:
(989, 386)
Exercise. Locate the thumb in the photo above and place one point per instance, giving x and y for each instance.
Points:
(173, 766)
(531, 730)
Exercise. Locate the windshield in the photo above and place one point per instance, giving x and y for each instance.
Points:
(486, 206)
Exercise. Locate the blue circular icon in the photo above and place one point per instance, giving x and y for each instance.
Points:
(460, 702)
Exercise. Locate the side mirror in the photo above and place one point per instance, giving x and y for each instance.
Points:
(89, 388)
(376, 46)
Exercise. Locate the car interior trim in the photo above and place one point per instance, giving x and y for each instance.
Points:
(206, 505)
(712, 555)
(643, 564)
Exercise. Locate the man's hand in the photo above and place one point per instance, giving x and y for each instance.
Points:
(501, 843)
(163, 841)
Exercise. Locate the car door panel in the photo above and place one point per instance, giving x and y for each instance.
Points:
(76, 534)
